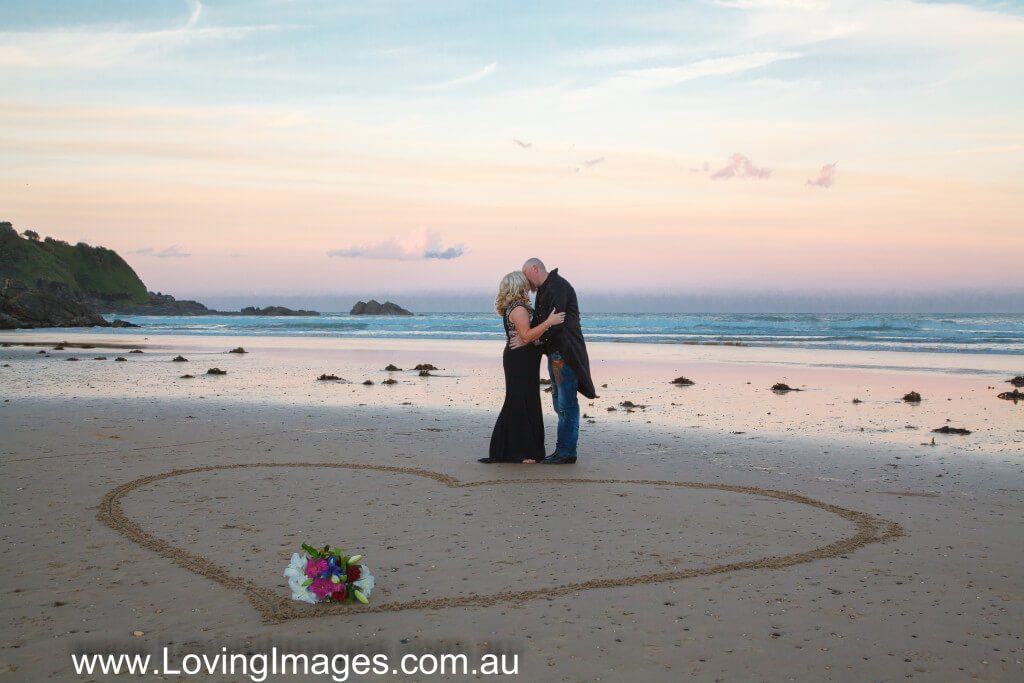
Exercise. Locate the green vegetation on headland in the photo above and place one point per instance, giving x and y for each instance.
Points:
(50, 283)
(89, 272)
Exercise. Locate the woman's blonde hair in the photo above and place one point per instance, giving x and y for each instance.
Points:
(513, 289)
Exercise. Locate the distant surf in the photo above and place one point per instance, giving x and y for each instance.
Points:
(1001, 334)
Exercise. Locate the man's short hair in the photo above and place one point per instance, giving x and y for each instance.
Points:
(534, 262)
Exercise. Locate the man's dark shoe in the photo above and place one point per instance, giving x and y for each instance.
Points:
(556, 459)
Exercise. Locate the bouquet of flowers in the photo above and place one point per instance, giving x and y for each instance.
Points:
(328, 575)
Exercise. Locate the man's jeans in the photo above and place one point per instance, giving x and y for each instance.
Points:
(563, 395)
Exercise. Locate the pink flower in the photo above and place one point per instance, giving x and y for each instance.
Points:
(321, 588)
(315, 567)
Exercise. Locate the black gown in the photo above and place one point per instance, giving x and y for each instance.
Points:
(519, 432)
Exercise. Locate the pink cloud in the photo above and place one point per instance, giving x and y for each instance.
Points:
(740, 166)
(826, 176)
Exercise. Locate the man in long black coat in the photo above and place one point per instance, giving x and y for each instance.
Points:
(568, 363)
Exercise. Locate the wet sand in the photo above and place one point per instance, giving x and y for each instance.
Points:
(790, 566)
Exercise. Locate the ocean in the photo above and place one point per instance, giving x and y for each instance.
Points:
(998, 334)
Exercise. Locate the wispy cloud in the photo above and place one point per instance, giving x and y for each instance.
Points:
(96, 46)
(588, 163)
(663, 77)
(624, 54)
(739, 166)
(420, 244)
(826, 176)
(806, 5)
(172, 251)
(462, 80)
(523, 144)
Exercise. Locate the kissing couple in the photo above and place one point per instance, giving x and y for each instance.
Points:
(550, 327)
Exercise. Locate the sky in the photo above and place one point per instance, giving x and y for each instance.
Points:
(300, 147)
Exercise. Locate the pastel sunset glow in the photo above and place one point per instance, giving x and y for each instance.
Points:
(306, 147)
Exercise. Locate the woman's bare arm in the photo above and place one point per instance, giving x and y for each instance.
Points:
(521, 319)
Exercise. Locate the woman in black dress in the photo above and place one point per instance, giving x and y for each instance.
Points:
(518, 435)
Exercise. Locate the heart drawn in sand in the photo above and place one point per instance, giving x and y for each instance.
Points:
(276, 606)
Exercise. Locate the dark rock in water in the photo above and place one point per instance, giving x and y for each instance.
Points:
(390, 381)
(151, 303)
(392, 368)
(912, 397)
(41, 351)
(238, 349)
(425, 373)
(857, 400)
(121, 359)
(187, 377)
(630, 404)
(5, 344)
(58, 347)
(781, 388)
(373, 307)
(425, 366)
(158, 303)
(1017, 381)
(100, 358)
(70, 358)
(683, 381)
(368, 383)
(135, 351)
(179, 359)
(1014, 395)
(325, 377)
(123, 323)
(273, 311)
(216, 371)
(946, 429)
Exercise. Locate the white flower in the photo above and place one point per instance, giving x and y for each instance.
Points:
(295, 572)
(365, 584)
(297, 567)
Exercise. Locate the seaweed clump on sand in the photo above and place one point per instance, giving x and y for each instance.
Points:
(216, 371)
(946, 429)
(782, 388)
(912, 397)
(683, 381)
(1014, 395)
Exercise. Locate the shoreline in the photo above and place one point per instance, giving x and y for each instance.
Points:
(731, 393)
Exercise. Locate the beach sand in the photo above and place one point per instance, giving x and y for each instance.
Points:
(838, 546)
